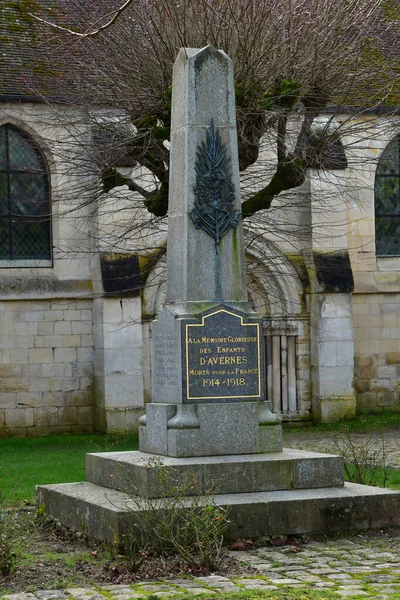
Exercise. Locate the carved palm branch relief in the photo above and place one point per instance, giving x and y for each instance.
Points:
(215, 193)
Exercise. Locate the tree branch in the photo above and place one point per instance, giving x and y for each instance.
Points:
(112, 178)
(288, 176)
(115, 16)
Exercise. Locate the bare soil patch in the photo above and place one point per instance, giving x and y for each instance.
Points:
(49, 556)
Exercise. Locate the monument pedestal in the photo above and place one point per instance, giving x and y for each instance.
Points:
(183, 430)
(285, 493)
(208, 386)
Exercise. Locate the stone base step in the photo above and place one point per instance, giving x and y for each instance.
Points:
(139, 472)
(108, 514)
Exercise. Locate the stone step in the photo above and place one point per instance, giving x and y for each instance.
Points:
(139, 472)
(108, 514)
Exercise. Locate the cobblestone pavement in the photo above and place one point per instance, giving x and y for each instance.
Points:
(356, 566)
(389, 441)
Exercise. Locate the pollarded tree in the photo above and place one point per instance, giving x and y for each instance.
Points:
(294, 60)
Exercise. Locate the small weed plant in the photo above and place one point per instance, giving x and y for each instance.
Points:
(183, 520)
(8, 542)
(364, 456)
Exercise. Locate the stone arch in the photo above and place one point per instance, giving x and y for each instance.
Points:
(26, 196)
(387, 200)
(33, 134)
(273, 284)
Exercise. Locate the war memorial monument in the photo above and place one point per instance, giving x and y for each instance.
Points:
(209, 415)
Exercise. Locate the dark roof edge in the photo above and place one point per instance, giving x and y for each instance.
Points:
(381, 110)
(20, 98)
(27, 98)
(378, 110)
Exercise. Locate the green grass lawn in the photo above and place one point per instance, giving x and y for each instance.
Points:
(25, 463)
(362, 423)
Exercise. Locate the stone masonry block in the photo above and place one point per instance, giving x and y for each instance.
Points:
(32, 316)
(7, 342)
(392, 358)
(63, 328)
(46, 328)
(19, 417)
(327, 354)
(64, 384)
(361, 385)
(53, 315)
(112, 310)
(8, 400)
(39, 341)
(388, 399)
(68, 415)
(33, 327)
(31, 371)
(71, 341)
(63, 304)
(369, 347)
(84, 305)
(29, 399)
(54, 399)
(83, 369)
(368, 372)
(39, 385)
(389, 320)
(4, 328)
(40, 355)
(87, 340)
(46, 417)
(387, 372)
(388, 345)
(57, 370)
(345, 354)
(390, 308)
(53, 341)
(10, 371)
(380, 385)
(14, 385)
(85, 354)
(82, 327)
(72, 315)
(85, 415)
(335, 381)
(131, 309)
(19, 328)
(64, 355)
(5, 355)
(367, 401)
(370, 321)
(363, 361)
(86, 383)
(83, 398)
(19, 356)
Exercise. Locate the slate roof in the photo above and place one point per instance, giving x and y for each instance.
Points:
(32, 55)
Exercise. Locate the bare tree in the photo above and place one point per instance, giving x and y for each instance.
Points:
(294, 61)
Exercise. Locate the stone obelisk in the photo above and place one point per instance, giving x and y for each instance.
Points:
(207, 345)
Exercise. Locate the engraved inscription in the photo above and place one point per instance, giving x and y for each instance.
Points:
(223, 358)
(165, 369)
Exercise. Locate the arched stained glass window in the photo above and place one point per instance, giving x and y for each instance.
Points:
(387, 201)
(25, 226)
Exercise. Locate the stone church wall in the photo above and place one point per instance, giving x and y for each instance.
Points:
(46, 367)
(376, 322)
